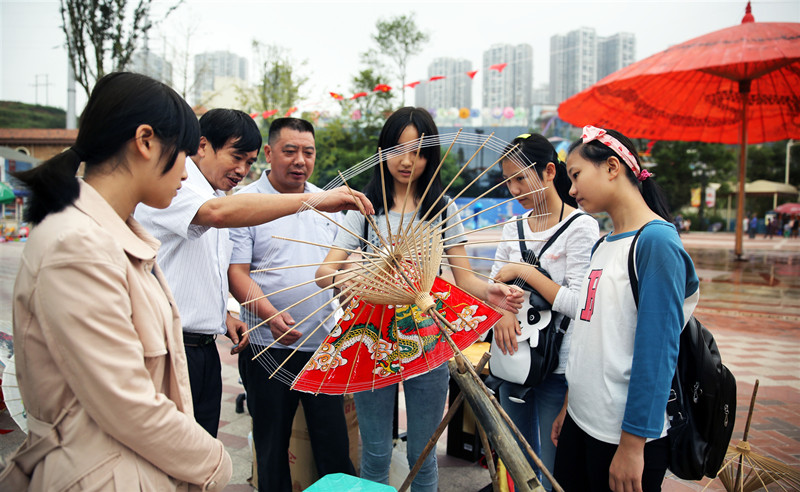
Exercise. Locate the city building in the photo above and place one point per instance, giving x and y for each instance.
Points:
(217, 65)
(453, 91)
(614, 53)
(573, 63)
(580, 58)
(148, 63)
(511, 86)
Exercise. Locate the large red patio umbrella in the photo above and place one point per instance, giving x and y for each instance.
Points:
(736, 85)
(788, 208)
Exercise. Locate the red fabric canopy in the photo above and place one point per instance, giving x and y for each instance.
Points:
(691, 91)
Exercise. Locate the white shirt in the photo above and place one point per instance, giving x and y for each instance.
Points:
(257, 247)
(566, 260)
(194, 258)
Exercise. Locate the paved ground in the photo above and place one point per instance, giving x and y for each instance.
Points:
(753, 309)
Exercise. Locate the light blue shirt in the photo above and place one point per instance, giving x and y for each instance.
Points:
(257, 247)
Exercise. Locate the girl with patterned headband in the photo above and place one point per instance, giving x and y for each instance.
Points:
(611, 433)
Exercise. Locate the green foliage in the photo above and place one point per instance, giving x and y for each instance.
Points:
(341, 146)
(681, 166)
(21, 115)
(101, 35)
(768, 161)
(374, 108)
(279, 86)
(397, 39)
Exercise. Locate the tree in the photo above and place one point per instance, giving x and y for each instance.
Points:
(279, 84)
(398, 39)
(681, 166)
(374, 108)
(102, 35)
(186, 80)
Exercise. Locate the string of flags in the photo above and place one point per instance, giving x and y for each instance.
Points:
(384, 88)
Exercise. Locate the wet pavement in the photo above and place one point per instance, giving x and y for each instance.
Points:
(752, 308)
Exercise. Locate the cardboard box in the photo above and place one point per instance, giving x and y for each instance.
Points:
(301, 457)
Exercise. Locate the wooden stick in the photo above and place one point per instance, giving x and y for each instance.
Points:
(425, 217)
(436, 172)
(499, 433)
(487, 454)
(451, 412)
(506, 418)
(489, 191)
(319, 263)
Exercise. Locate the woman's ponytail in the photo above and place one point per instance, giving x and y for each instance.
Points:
(562, 184)
(52, 184)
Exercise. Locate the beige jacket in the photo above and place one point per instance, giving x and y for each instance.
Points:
(95, 326)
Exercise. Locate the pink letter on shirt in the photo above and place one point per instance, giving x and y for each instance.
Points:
(588, 309)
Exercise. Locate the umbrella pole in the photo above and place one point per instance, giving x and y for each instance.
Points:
(451, 412)
(744, 90)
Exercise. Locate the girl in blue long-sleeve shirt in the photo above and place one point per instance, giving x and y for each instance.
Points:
(611, 432)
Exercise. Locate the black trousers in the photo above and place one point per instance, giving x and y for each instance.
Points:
(582, 462)
(205, 378)
(272, 406)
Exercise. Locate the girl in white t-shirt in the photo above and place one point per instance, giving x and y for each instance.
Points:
(611, 432)
(566, 260)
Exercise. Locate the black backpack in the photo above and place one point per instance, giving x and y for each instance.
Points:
(702, 401)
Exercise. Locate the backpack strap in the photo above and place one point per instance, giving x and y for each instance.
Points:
(632, 266)
(675, 406)
(529, 256)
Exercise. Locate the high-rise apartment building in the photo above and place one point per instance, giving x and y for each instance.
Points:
(152, 65)
(454, 91)
(580, 58)
(209, 65)
(513, 86)
(573, 63)
(614, 53)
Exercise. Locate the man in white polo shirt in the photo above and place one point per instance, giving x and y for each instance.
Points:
(195, 247)
(291, 153)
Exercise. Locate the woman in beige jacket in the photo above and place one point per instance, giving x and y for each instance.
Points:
(99, 349)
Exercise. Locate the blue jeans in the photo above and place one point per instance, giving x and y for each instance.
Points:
(425, 397)
(535, 417)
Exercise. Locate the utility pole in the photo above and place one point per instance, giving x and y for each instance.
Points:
(71, 123)
(46, 84)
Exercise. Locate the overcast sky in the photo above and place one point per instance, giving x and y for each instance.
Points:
(329, 36)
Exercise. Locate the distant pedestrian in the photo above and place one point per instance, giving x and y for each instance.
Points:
(752, 226)
(795, 226)
(769, 226)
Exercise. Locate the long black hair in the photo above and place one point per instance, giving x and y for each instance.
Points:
(119, 103)
(420, 119)
(597, 153)
(535, 148)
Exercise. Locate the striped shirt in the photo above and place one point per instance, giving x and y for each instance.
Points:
(194, 258)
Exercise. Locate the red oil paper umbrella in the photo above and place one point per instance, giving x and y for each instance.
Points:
(376, 345)
(736, 85)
